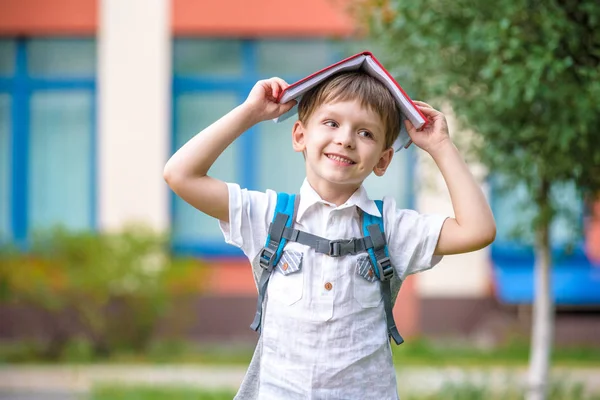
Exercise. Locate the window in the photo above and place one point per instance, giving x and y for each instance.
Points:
(5, 161)
(61, 58)
(47, 106)
(220, 57)
(514, 211)
(575, 279)
(59, 163)
(195, 111)
(7, 57)
(213, 76)
(297, 58)
(7, 64)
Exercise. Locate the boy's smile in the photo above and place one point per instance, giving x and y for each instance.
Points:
(343, 142)
(339, 159)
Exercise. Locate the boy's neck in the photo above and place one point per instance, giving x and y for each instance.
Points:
(336, 194)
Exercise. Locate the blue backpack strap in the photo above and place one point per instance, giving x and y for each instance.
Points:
(373, 227)
(284, 216)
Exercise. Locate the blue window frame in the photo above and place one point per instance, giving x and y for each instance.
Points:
(575, 280)
(212, 76)
(47, 135)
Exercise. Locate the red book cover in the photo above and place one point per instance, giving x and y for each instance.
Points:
(366, 62)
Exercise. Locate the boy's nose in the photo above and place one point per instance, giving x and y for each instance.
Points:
(345, 138)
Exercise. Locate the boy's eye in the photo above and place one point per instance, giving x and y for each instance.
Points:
(366, 134)
(331, 124)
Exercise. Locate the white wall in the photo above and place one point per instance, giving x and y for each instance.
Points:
(465, 275)
(134, 76)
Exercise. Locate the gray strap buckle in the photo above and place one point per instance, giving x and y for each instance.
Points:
(341, 247)
(386, 272)
(265, 260)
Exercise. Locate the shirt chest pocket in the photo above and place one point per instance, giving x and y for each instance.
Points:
(367, 287)
(287, 279)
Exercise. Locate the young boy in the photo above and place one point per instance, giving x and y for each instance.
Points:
(323, 330)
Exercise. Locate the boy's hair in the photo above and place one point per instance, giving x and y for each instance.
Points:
(355, 86)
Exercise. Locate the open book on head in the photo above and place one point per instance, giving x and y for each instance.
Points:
(367, 63)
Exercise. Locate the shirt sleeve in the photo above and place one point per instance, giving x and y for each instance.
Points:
(250, 213)
(412, 238)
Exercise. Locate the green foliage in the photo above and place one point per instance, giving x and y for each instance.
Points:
(114, 287)
(523, 74)
(158, 393)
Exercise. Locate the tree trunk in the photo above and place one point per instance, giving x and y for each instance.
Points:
(543, 307)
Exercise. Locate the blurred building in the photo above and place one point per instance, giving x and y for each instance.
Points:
(95, 95)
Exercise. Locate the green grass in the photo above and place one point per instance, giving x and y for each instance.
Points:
(560, 391)
(413, 352)
(178, 352)
(424, 352)
(563, 391)
(157, 393)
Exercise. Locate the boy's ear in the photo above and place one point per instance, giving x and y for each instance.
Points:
(384, 162)
(298, 137)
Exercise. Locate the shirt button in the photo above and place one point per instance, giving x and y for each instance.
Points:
(328, 286)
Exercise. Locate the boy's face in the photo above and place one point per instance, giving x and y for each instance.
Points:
(343, 143)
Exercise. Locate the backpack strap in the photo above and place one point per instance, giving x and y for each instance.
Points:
(374, 243)
(373, 228)
(284, 216)
(332, 248)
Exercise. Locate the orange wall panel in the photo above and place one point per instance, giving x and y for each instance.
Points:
(231, 277)
(406, 309)
(593, 234)
(261, 18)
(233, 18)
(48, 17)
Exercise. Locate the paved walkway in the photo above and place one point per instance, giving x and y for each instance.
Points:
(69, 382)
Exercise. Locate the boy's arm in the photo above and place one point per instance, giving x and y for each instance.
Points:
(186, 171)
(473, 226)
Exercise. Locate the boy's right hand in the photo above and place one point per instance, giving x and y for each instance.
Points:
(262, 100)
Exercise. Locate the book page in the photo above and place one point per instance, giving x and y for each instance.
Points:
(312, 81)
(406, 106)
(367, 64)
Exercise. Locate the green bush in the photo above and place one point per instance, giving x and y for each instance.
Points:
(561, 390)
(113, 286)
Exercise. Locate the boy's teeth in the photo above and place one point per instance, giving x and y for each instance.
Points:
(340, 159)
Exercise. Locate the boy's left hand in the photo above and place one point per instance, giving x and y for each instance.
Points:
(434, 134)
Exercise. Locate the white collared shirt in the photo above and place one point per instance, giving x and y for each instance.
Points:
(324, 334)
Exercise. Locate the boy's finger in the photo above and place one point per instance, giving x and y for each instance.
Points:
(425, 107)
(422, 103)
(428, 111)
(281, 82)
(275, 89)
(280, 85)
(287, 106)
(409, 127)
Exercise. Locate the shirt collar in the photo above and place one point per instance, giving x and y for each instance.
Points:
(360, 199)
